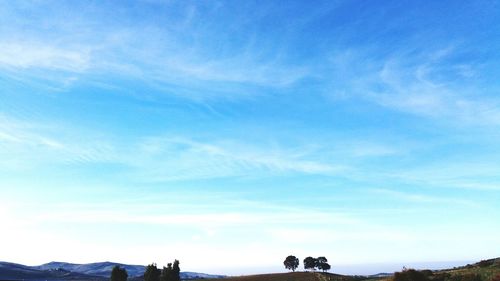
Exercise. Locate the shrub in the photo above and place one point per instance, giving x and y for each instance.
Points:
(428, 273)
(485, 263)
(410, 275)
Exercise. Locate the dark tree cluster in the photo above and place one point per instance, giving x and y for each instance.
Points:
(320, 263)
(410, 275)
(169, 273)
(119, 274)
(152, 273)
(310, 263)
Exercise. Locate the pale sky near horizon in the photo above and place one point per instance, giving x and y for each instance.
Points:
(230, 134)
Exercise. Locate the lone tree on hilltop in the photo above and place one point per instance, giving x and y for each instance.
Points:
(119, 274)
(309, 263)
(291, 263)
(322, 264)
(152, 273)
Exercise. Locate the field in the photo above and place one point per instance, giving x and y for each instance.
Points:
(487, 269)
(296, 276)
(482, 271)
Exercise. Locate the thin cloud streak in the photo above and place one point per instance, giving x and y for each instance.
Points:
(163, 58)
(25, 55)
(420, 198)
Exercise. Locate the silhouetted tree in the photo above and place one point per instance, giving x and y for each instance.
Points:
(322, 264)
(291, 263)
(152, 273)
(166, 273)
(176, 271)
(309, 263)
(118, 274)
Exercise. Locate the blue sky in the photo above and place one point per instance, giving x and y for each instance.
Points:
(230, 134)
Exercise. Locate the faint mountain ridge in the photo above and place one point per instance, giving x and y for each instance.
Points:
(14, 271)
(102, 269)
(72, 271)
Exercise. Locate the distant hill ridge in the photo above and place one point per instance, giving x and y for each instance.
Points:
(96, 269)
(100, 271)
(486, 269)
(53, 271)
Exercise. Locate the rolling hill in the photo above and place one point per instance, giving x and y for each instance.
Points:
(102, 269)
(69, 271)
(484, 270)
(13, 271)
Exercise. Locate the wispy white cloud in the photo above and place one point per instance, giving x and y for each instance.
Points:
(421, 82)
(188, 159)
(33, 144)
(26, 54)
(423, 198)
(163, 158)
(163, 56)
(413, 89)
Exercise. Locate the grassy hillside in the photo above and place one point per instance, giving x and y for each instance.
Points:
(295, 276)
(487, 269)
(482, 271)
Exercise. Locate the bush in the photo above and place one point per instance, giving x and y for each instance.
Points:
(485, 263)
(428, 273)
(410, 275)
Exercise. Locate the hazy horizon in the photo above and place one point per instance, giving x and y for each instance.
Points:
(348, 269)
(231, 134)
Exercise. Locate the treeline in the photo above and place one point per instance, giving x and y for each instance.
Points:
(172, 272)
(310, 263)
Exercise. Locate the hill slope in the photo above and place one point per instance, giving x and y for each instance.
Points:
(296, 276)
(486, 269)
(70, 271)
(102, 269)
(13, 271)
